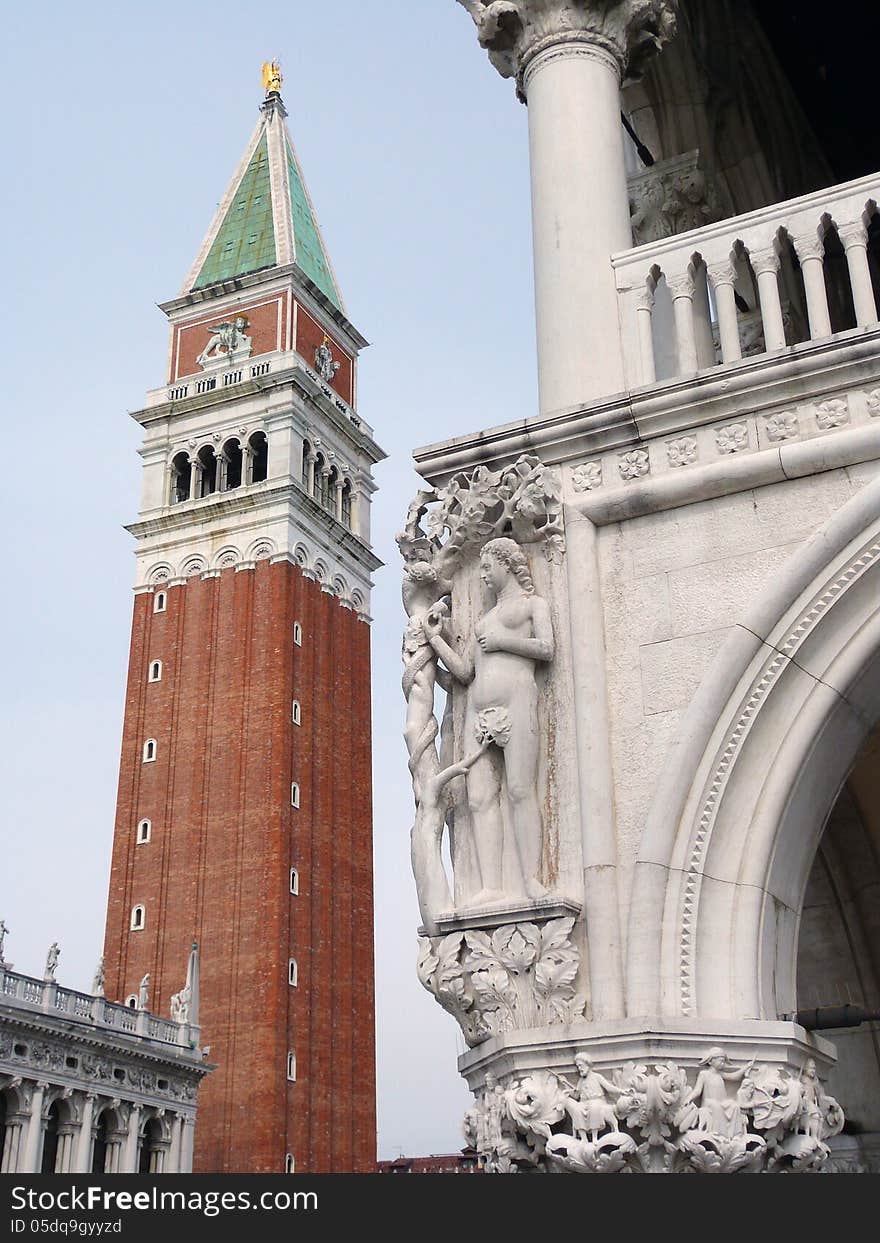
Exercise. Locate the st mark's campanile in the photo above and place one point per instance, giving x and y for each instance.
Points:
(244, 809)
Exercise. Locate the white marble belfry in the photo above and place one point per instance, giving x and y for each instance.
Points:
(655, 622)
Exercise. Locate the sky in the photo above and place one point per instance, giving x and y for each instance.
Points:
(123, 125)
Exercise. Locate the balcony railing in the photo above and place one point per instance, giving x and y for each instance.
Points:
(47, 997)
(757, 283)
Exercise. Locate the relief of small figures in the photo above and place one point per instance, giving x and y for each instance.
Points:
(587, 1104)
(717, 1112)
(511, 638)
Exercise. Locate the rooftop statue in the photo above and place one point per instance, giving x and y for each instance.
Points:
(272, 77)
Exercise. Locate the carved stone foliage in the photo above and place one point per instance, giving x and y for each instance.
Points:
(514, 31)
(522, 501)
(671, 197)
(872, 403)
(513, 977)
(654, 1119)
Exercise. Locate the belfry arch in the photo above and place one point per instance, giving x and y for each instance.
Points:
(763, 753)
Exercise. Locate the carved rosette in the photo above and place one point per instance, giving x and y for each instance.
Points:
(656, 1119)
(514, 32)
(510, 978)
(832, 413)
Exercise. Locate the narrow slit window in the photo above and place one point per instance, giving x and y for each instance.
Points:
(138, 918)
(155, 671)
(292, 973)
(297, 634)
(144, 829)
(294, 794)
(296, 713)
(149, 750)
(289, 1164)
(291, 1066)
(160, 602)
(294, 881)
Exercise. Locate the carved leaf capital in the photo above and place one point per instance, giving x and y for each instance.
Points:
(514, 32)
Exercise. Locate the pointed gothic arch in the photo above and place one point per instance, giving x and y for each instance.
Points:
(762, 754)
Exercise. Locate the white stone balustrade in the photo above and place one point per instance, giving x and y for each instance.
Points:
(666, 312)
(89, 1085)
(49, 998)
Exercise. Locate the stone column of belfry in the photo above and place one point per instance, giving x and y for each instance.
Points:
(569, 59)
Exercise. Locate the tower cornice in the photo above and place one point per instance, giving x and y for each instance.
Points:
(219, 505)
(253, 280)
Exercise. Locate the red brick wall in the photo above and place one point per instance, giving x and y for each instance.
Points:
(267, 328)
(309, 336)
(224, 837)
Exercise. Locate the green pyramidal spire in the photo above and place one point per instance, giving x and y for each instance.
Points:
(266, 218)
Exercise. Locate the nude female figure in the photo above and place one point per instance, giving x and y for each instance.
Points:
(510, 639)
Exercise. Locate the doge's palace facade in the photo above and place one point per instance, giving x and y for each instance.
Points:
(652, 610)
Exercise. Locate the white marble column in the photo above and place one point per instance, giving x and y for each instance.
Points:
(702, 319)
(222, 468)
(130, 1159)
(174, 1153)
(568, 61)
(765, 265)
(855, 240)
(359, 512)
(723, 278)
(644, 315)
(580, 217)
(33, 1144)
(810, 250)
(324, 487)
(682, 290)
(247, 465)
(16, 1125)
(186, 1145)
(338, 500)
(65, 1152)
(83, 1158)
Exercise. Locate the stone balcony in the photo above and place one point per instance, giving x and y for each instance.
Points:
(755, 284)
(752, 355)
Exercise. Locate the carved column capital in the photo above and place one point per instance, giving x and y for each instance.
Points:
(645, 300)
(764, 261)
(681, 286)
(721, 273)
(514, 32)
(809, 246)
(853, 233)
